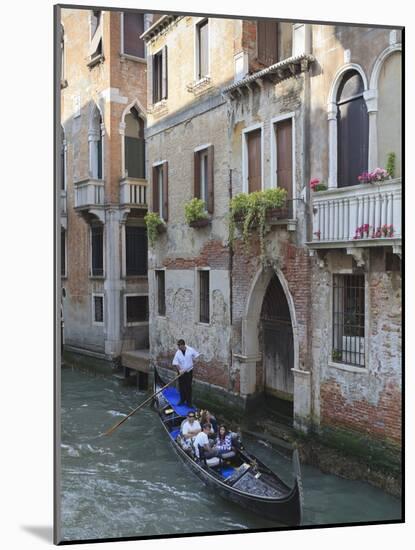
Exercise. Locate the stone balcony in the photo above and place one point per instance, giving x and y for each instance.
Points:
(133, 192)
(364, 215)
(89, 197)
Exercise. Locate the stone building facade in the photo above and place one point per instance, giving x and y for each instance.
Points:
(103, 181)
(315, 319)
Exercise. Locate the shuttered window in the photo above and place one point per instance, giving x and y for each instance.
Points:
(160, 75)
(349, 319)
(133, 29)
(136, 250)
(253, 142)
(204, 177)
(267, 42)
(204, 295)
(161, 190)
(137, 309)
(283, 140)
(98, 309)
(352, 130)
(203, 53)
(97, 250)
(161, 292)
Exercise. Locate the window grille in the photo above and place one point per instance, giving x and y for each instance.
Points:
(349, 319)
(136, 250)
(97, 244)
(137, 309)
(98, 309)
(161, 292)
(204, 296)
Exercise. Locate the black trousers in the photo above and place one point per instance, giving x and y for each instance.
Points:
(185, 387)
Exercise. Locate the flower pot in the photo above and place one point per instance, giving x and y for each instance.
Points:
(281, 213)
(203, 222)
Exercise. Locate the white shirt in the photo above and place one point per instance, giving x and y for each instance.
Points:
(185, 362)
(202, 440)
(187, 427)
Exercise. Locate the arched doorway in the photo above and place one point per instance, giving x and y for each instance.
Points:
(277, 344)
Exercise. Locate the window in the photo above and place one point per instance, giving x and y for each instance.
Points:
(253, 163)
(203, 176)
(160, 75)
(160, 190)
(63, 68)
(136, 250)
(202, 49)
(95, 48)
(267, 42)
(284, 158)
(95, 145)
(63, 163)
(133, 29)
(98, 308)
(161, 292)
(352, 130)
(204, 296)
(134, 145)
(97, 250)
(136, 309)
(349, 319)
(63, 253)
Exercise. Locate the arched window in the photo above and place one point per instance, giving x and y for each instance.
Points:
(95, 145)
(352, 130)
(134, 145)
(389, 127)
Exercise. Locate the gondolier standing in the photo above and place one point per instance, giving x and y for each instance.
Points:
(183, 361)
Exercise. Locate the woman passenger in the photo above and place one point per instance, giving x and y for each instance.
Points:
(223, 440)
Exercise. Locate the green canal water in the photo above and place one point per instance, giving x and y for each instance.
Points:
(131, 483)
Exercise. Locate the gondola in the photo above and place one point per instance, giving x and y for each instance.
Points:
(239, 476)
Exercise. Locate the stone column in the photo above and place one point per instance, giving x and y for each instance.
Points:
(302, 399)
(112, 285)
(332, 118)
(371, 98)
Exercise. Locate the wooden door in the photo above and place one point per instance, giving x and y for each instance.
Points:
(278, 358)
(254, 160)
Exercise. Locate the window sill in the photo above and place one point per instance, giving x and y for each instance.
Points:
(159, 108)
(131, 57)
(132, 277)
(95, 60)
(97, 324)
(202, 324)
(200, 86)
(137, 324)
(348, 368)
(97, 277)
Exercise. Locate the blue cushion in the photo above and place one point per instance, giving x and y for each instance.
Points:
(227, 471)
(173, 397)
(174, 433)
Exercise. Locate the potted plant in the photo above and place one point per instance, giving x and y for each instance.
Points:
(155, 225)
(377, 175)
(254, 210)
(195, 213)
(391, 165)
(316, 185)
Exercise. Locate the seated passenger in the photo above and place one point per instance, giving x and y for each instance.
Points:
(208, 418)
(190, 427)
(202, 440)
(223, 440)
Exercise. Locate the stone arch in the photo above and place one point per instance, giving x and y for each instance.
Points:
(251, 317)
(142, 114)
(332, 115)
(96, 132)
(387, 110)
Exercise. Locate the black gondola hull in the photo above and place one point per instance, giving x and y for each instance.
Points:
(286, 510)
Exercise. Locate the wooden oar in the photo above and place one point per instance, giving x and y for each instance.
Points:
(108, 432)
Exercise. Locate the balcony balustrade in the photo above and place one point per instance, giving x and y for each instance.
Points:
(89, 193)
(133, 192)
(364, 215)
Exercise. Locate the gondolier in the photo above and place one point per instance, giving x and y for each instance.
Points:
(183, 361)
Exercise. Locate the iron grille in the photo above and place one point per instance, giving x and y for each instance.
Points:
(137, 309)
(349, 319)
(204, 296)
(136, 250)
(97, 243)
(161, 292)
(98, 309)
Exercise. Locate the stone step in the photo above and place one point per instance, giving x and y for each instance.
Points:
(138, 359)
